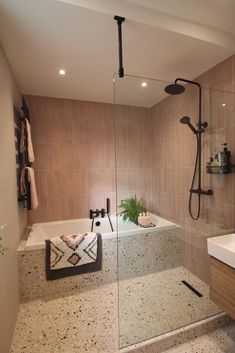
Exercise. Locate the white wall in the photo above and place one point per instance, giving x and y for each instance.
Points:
(10, 211)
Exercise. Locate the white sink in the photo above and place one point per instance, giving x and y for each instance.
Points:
(223, 248)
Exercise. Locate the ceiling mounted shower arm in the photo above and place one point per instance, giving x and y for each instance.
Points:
(120, 20)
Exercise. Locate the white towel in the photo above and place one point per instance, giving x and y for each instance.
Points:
(31, 179)
(29, 140)
(26, 125)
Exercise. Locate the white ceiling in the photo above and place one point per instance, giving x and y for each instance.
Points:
(218, 14)
(39, 37)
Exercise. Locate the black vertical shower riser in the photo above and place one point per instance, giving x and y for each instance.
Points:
(120, 20)
(198, 132)
(201, 127)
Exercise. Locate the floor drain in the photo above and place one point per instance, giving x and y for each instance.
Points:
(192, 289)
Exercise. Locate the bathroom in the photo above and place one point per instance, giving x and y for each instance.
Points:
(128, 130)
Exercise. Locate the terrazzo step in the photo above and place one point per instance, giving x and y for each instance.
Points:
(177, 337)
(221, 340)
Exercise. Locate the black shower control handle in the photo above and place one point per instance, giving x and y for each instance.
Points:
(208, 192)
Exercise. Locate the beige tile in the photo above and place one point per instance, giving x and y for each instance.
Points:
(58, 130)
(44, 182)
(79, 131)
(43, 156)
(38, 129)
(62, 156)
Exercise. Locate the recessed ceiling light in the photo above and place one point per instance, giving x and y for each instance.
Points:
(223, 104)
(144, 84)
(62, 72)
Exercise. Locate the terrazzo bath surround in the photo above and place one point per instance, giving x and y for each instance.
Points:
(132, 247)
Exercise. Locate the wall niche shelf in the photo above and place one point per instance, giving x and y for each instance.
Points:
(220, 170)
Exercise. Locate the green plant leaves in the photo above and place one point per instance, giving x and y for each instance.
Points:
(3, 249)
(131, 208)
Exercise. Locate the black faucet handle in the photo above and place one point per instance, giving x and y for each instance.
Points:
(108, 205)
(102, 212)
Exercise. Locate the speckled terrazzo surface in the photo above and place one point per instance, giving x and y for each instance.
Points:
(87, 321)
(138, 256)
(157, 303)
(219, 341)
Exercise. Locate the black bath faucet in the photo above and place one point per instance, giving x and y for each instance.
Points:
(102, 212)
(97, 213)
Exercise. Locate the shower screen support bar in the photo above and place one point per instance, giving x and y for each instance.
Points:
(120, 20)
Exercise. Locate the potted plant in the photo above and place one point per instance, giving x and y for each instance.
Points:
(3, 249)
(131, 208)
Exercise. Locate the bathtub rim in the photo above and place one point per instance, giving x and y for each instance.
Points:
(105, 236)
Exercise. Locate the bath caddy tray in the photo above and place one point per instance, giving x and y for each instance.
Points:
(151, 225)
(219, 170)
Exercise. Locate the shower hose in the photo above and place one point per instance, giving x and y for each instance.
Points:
(192, 184)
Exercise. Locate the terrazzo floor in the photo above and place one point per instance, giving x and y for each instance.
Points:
(218, 341)
(158, 303)
(87, 322)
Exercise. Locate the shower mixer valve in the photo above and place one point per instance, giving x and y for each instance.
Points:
(204, 125)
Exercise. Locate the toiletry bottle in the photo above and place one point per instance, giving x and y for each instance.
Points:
(208, 165)
(225, 156)
(215, 166)
(147, 220)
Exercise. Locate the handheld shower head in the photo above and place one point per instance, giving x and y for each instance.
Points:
(186, 120)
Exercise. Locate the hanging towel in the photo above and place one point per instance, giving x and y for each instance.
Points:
(29, 172)
(26, 131)
(29, 140)
(64, 260)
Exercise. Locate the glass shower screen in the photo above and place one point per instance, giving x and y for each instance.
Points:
(154, 163)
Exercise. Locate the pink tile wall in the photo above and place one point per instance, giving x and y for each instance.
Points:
(74, 145)
(173, 153)
(74, 157)
(133, 132)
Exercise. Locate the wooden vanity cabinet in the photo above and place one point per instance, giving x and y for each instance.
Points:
(222, 286)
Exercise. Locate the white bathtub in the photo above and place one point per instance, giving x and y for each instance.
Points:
(42, 231)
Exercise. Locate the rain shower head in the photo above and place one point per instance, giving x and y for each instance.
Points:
(174, 88)
(186, 120)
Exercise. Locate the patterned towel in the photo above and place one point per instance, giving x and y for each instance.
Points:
(74, 254)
